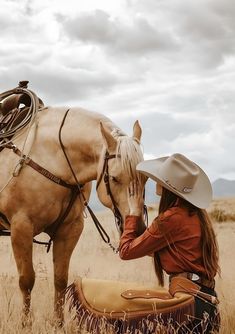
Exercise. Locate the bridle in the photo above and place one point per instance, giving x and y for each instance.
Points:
(105, 175)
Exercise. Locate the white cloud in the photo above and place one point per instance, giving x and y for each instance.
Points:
(137, 36)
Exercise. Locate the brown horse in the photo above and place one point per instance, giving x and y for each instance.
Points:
(32, 203)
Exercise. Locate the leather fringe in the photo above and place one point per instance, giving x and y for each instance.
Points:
(104, 323)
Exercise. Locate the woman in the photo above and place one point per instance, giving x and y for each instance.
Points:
(181, 237)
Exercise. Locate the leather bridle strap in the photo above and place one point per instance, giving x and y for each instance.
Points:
(106, 158)
(105, 174)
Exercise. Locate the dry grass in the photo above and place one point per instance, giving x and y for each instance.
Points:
(223, 210)
(92, 258)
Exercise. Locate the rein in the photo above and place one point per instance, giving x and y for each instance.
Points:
(104, 174)
(104, 235)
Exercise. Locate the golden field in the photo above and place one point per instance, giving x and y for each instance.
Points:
(93, 258)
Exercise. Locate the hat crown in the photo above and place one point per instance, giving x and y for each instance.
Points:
(179, 173)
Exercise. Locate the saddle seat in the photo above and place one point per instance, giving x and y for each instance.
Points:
(128, 304)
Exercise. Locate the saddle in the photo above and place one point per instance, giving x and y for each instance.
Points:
(17, 107)
(13, 102)
(101, 305)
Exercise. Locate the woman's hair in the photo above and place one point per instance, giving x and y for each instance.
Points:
(210, 253)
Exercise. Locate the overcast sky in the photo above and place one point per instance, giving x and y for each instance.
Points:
(168, 63)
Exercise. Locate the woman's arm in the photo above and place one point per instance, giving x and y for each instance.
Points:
(132, 246)
(153, 239)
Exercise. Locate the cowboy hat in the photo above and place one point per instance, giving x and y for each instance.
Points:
(181, 176)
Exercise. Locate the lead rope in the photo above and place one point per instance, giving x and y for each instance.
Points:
(104, 235)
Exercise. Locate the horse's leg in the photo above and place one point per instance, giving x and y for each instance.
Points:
(63, 245)
(21, 239)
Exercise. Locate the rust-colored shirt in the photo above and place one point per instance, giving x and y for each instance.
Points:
(175, 235)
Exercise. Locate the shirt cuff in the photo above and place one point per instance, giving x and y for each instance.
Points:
(131, 222)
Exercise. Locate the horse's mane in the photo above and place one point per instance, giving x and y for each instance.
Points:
(129, 151)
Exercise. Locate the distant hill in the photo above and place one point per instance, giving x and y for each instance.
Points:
(223, 188)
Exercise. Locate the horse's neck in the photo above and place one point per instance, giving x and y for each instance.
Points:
(83, 142)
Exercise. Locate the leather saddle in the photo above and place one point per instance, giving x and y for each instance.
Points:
(128, 306)
(13, 101)
(16, 109)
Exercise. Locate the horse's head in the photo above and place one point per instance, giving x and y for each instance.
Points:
(117, 167)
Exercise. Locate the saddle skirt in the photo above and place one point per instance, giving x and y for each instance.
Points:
(127, 305)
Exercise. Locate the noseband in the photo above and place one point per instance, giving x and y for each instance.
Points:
(105, 175)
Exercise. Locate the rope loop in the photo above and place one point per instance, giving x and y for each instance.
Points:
(12, 122)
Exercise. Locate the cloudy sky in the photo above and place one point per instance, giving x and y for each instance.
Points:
(168, 63)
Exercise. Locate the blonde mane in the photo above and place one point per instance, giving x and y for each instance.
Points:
(130, 154)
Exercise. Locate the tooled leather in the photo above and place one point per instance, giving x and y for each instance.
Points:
(182, 284)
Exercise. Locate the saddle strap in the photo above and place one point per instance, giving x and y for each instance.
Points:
(28, 161)
(146, 294)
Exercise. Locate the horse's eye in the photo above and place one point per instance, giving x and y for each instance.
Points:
(113, 178)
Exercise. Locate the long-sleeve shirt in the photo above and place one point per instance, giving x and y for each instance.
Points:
(175, 235)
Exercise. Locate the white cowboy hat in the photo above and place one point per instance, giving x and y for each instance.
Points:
(181, 176)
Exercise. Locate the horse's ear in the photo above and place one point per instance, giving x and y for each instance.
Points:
(137, 131)
(109, 140)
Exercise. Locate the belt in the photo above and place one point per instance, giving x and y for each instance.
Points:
(195, 278)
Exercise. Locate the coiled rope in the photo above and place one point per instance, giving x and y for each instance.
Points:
(12, 128)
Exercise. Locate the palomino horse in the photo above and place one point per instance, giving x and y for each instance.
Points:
(31, 202)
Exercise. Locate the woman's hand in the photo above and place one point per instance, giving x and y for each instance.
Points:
(135, 198)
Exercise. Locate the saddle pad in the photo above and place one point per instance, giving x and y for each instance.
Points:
(110, 298)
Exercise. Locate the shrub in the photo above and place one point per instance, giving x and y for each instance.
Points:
(218, 215)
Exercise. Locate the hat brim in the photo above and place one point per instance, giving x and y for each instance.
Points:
(201, 195)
